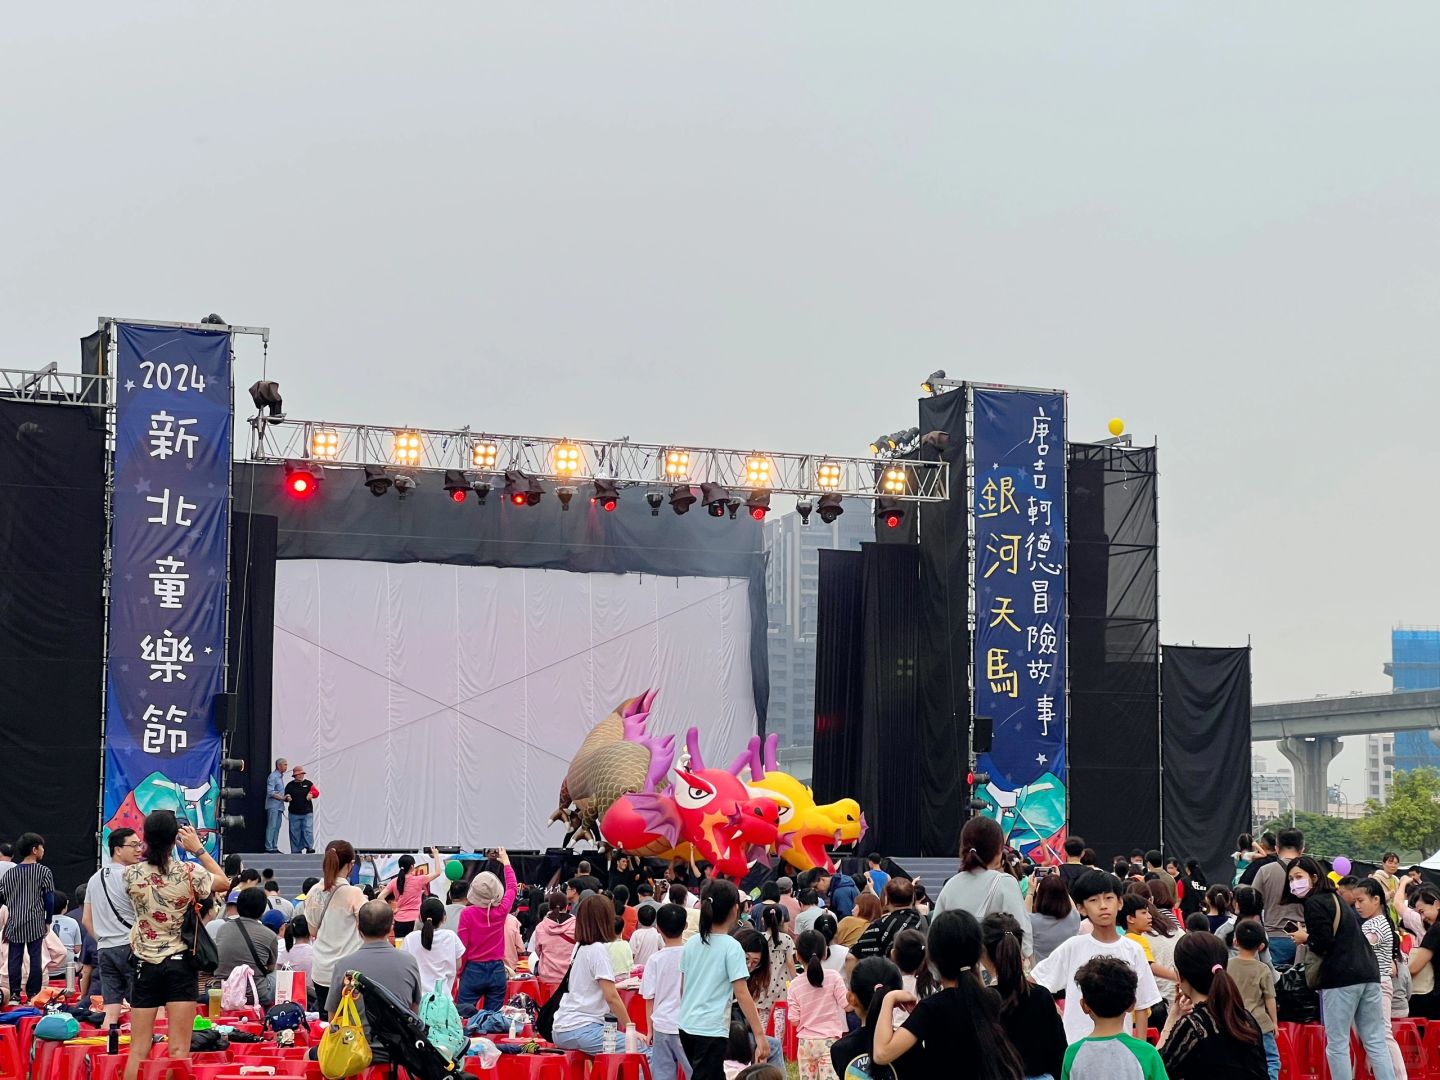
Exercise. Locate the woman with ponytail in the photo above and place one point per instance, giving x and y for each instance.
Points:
(956, 1031)
(982, 887)
(1210, 1035)
(815, 1004)
(436, 948)
(1372, 904)
(299, 954)
(1027, 1011)
(332, 908)
(408, 888)
(715, 973)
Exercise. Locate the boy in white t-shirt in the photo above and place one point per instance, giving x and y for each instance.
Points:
(1098, 897)
(660, 987)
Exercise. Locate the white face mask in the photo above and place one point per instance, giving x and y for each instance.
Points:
(1300, 886)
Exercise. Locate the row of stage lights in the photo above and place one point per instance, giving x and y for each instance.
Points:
(303, 479)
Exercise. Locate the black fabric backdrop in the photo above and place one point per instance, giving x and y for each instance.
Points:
(251, 660)
(839, 675)
(1114, 736)
(1206, 754)
(890, 636)
(344, 521)
(52, 630)
(942, 744)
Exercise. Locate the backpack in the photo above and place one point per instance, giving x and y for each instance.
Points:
(233, 989)
(443, 1021)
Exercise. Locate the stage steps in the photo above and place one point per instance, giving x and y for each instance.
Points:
(933, 873)
(290, 870)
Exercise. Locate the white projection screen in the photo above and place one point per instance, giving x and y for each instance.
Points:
(441, 704)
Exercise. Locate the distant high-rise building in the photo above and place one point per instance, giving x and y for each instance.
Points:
(1379, 766)
(792, 587)
(1414, 665)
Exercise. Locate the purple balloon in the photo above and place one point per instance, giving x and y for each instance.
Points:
(1342, 865)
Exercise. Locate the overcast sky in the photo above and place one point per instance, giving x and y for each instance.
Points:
(761, 225)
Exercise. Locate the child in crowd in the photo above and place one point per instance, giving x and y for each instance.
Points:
(660, 987)
(816, 1004)
(1377, 924)
(908, 954)
(713, 964)
(1257, 987)
(870, 980)
(67, 930)
(1218, 899)
(1027, 1011)
(1105, 988)
(737, 1051)
(956, 1031)
(646, 941)
(1098, 897)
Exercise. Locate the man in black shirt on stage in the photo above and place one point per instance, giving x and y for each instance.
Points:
(299, 797)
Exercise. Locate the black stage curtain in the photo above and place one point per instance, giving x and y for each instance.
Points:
(1206, 754)
(1114, 736)
(942, 745)
(891, 642)
(251, 662)
(52, 630)
(839, 675)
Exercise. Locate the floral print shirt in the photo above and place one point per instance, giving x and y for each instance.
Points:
(161, 898)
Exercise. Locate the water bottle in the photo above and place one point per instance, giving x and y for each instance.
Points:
(112, 1040)
(609, 1041)
(632, 1039)
(70, 974)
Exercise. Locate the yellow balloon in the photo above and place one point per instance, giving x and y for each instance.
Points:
(1117, 427)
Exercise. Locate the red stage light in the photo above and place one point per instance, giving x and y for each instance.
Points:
(457, 496)
(518, 499)
(608, 505)
(300, 485)
(892, 521)
(758, 513)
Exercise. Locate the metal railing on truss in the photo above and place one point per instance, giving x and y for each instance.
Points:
(567, 461)
(50, 386)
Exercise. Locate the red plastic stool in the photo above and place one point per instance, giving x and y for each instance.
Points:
(619, 1067)
(165, 1068)
(1310, 1053)
(46, 1055)
(1359, 1059)
(1412, 1048)
(12, 1066)
(108, 1066)
(532, 1067)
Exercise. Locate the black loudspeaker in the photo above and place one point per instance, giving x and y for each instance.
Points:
(223, 708)
(982, 736)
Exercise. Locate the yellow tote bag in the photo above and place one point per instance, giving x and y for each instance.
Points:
(343, 1050)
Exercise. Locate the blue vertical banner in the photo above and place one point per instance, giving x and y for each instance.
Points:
(1020, 632)
(170, 538)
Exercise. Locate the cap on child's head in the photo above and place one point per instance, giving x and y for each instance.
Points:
(1250, 935)
(1093, 883)
(1107, 986)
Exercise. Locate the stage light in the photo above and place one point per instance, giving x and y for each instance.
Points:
(976, 782)
(732, 506)
(564, 494)
(893, 481)
(804, 508)
(828, 476)
(483, 455)
(677, 464)
(266, 396)
(522, 489)
(654, 500)
(404, 485)
(482, 491)
(567, 459)
(607, 495)
(232, 793)
(456, 484)
(929, 384)
(324, 444)
(377, 480)
(758, 503)
(830, 508)
(713, 497)
(230, 764)
(890, 512)
(757, 472)
(879, 443)
(231, 821)
(300, 480)
(681, 499)
(405, 448)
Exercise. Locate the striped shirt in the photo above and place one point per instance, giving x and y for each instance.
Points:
(23, 891)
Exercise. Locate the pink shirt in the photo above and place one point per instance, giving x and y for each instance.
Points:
(407, 904)
(818, 1012)
(554, 944)
(482, 930)
(514, 942)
